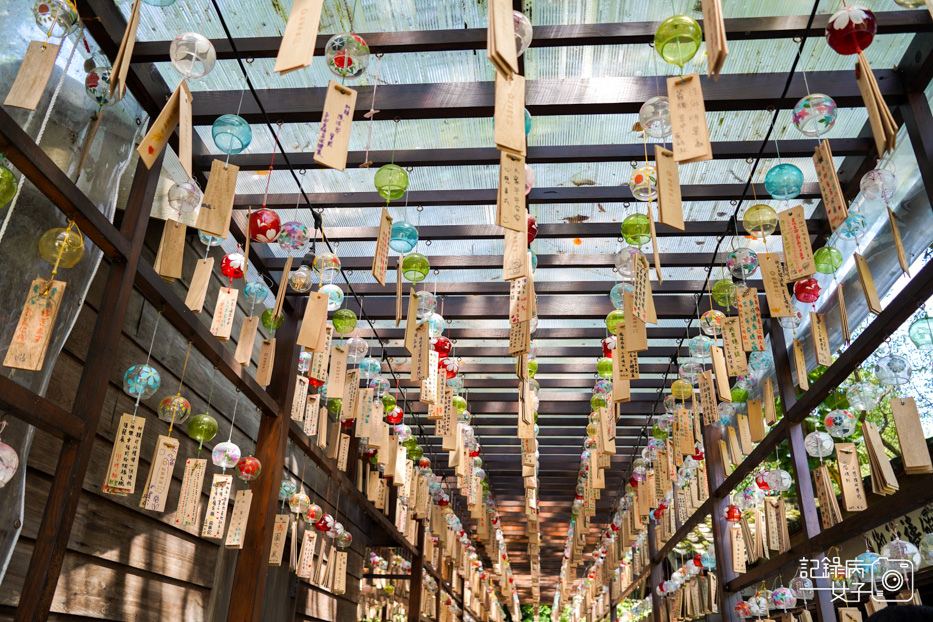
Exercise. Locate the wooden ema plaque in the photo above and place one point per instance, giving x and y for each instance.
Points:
(868, 285)
(850, 477)
(190, 495)
(800, 365)
(279, 534)
(776, 292)
(833, 199)
(708, 398)
(36, 322)
(297, 47)
(719, 371)
(224, 312)
(313, 323)
(197, 290)
(736, 361)
(820, 339)
(33, 75)
(217, 204)
(500, 35)
(244, 345)
(910, 436)
(168, 261)
(381, 256)
(510, 199)
(333, 137)
(798, 254)
(238, 519)
(670, 203)
(753, 337)
(634, 334)
(829, 507)
(124, 459)
(160, 475)
(688, 119)
(216, 516)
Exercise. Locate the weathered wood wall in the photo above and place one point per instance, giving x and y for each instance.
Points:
(124, 563)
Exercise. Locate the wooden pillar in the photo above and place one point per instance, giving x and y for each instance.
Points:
(249, 579)
(805, 496)
(55, 528)
(463, 598)
(657, 573)
(414, 584)
(919, 122)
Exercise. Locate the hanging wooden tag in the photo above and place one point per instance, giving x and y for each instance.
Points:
(898, 242)
(510, 199)
(190, 495)
(217, 204)
(519, 303)
(736, 362)
(340, 572)
(670, 203)
(300, 399)
(643, 303)
(735, 448)
(33, 75)
(499, 37)
(625, 361)
(776, 292)
(753, 337)
(883, 479)
(879, 116)
(197, 290)
(656, 253)
(238, 519)
(313, 322)
(168, 261)
(216, 516)
(343, 452)
(509, 126)
(745, 435)
(850, 477)
(428, 394)
(635, 335)
(337, 378)
(800, 365)
(161, 129)
(266, 360)
(367, 414)
(724, 456)
(868, 285)
(714, 34)
(246, 341)
(320, 360)
(767, 399)
(333, 138)
(36, 323)
(708, 398)
(719, 370)
(124, 459)
(224, 312)
(688, 119)
(186, 129)
(622, 392)
(310, 417)
(820, 339)
(519, 337)
(829, 507)
(756, 421)
(381, 256)
(279, 533)
(350, 394)
(411, 322)
(333, 440)
(306, 557)
(155, 492)
(833, 199)
(121, 65)
(910, 436)
(515, 257)
(420, 356)
(398, 291)
(798, 255)
(684, 431)
(322, 425)
(738, 550)
(843, 315)
(297, 47)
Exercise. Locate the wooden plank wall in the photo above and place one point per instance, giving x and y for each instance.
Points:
(124, 563)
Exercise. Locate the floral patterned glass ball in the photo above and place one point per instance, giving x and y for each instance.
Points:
(370, 368)
(62, 246)
(725, 414)
(97, 87)
(523, 31)
(264, 225)
(644, 183)
(802, 587)
(895, 552)
(334, 296)
(379, 386)
(301, 279)
(344, 321)
(427, 304)
(404, 237)
(174, 409)
(415, 267)
(326, 267)
(391, 181)
(451, 367)
(248, 468)
(760, 361)
(529, 179)
(192, 55)
(779, 480)
(184, 197)
(791, 322)
(299, 503)
(699, 346)
(851, 30)
(347, 55)
(304, 362)
(840, 423)
(356, 349)
(827, 259)
(225, 455)
(435, 325)
(760, 220)
(232, 265)
(202, 428)
(807, 290)
(711, 322)
(231, 134)
(879, 184)
(344, 540)
(141, 381)
(618, 291)
(293, 236)
(655, 117)
(690, 371)
(625, 261)
(814, 114)
(926, 548)
(677, 39)
(784, 181)
(615, 320)
(742, 262)
(863, 396)
(893, 370)
(921, 333)
(209, 240)
(287, 489)
(56, 18)
(853, 227)
(443, 346)
(636, 229)
(819, 444)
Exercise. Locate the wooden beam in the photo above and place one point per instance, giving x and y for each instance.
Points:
(538, 196)
(55, 529)
(626, 33)
(568, 96)
(36, 410)
(414, 585)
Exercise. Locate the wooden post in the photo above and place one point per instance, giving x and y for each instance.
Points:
(249, 580)
(657, 573)
(919, 122)
(805, 497)
(414, 584)
(55, 528)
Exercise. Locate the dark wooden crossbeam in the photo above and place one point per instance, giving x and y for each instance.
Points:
(569, 96)
(544, 287)
(628, 33)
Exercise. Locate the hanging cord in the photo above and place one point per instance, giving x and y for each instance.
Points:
(155, 329)
(178, 394)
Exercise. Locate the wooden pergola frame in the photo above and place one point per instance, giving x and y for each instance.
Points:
(122, 249)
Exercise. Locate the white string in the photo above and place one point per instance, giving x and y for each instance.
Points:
(45, 121)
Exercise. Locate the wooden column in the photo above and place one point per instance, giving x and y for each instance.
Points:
(805, 496)
(919, 122)
(414, 584)
(249, 580)
(657, 573)
(55, 528)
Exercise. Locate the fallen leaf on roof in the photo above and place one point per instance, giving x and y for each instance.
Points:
(575, 220)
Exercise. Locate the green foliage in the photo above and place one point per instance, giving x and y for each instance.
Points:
(528, 613)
